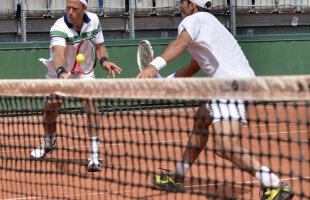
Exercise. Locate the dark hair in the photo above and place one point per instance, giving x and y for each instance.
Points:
(208, 4)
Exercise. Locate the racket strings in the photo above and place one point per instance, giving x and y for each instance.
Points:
(145, 55)
(89, 51)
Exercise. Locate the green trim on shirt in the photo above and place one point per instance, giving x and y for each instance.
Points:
(58, 33)
(85, 35)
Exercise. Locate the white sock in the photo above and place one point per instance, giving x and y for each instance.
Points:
(182, 168)
(95, 146)
(267, 177)
(50, 139)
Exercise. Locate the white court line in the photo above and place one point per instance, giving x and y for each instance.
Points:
(70, 195)
(99, 193)
(81, 137)
(24, 198)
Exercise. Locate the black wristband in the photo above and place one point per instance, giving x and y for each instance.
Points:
(60, 70)
(103, 59)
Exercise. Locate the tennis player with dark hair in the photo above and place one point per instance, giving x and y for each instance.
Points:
(216, 52)
(66, 34)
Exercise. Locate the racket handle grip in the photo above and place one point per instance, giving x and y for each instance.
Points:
(158, 75)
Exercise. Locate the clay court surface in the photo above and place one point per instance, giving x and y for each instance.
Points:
(130, 142)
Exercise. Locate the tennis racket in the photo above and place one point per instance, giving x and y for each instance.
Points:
(145, 55)
(88, 48)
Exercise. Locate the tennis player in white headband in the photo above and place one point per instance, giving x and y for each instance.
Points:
(66, 34)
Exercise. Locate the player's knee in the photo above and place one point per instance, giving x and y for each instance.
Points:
(204, 114)
(224, 145)
(202, 120)
(221, 150)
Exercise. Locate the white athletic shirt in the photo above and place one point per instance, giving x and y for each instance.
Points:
(214, 48)
(62, 33)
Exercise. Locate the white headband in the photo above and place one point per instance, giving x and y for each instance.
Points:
(84, 2)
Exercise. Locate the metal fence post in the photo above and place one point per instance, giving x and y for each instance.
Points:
(23, 20)
(132, 19)
(298, 9)
(233, 27)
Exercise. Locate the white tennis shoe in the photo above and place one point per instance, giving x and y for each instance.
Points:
(94, 164)
(44, 148)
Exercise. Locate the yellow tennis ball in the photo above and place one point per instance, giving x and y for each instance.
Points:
(80, 58)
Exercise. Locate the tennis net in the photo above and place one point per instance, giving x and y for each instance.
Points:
(145, 125)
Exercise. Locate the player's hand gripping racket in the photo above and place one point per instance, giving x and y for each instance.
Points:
(88, 49)
(145, 55)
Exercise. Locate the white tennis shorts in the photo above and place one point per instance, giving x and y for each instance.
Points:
(223, 109)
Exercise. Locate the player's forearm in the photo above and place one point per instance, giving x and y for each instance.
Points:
(101, 51)
(59, 56)
(59, 61)
(102, 54)
(177, 47)
(185, 72)
(174, 49)
(189, 70)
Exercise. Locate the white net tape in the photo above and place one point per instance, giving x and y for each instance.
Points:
(260, 88)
